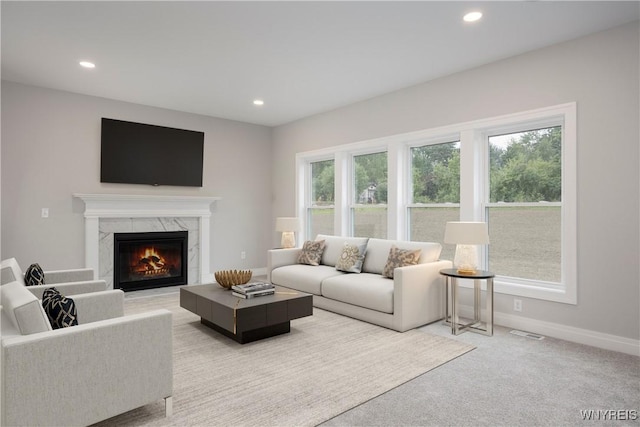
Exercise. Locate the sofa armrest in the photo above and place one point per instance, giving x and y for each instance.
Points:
(281, 257)
(110, 367)
(418, 294)
(62, 276)
(70, 288)
(98, 306)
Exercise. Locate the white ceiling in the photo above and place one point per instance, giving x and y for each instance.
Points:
(302, 58)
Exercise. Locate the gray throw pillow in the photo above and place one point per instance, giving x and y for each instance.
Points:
(351, 258)
(311, 252)
(400, 258)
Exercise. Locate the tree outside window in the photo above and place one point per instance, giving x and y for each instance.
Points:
(369, 201)
(435, 173)
(524, 209)
(320, 212)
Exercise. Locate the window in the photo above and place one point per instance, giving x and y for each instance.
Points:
(516, 172)
(435, 192)
(525, 203)
(369, 196)
(320, 209)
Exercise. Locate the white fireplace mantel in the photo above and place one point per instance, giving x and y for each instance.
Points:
(145, 206)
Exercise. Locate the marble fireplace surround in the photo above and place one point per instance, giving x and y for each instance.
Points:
(106, 214)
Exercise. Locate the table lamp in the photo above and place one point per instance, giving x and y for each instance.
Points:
(466, 236)
(288, 226)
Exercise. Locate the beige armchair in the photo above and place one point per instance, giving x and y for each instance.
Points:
(68, 282)
(80, 375)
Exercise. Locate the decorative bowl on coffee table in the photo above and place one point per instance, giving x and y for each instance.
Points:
(229, 278)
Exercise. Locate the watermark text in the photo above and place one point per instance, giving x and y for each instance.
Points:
(609, 414)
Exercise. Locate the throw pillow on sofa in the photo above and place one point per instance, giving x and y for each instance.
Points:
(311, 252)
(34, 275)
(60, 309)
(400, 258)
(351, 258)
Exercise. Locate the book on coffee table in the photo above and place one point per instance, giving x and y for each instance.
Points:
(253, 294)
(252, 287)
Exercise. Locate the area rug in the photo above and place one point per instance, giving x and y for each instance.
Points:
(326, 365)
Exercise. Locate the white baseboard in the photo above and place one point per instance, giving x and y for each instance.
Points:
(564, 332)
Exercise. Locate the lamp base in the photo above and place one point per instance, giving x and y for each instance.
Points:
(466, 259)
(288, 239)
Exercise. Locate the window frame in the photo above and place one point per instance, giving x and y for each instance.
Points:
(474, 176)
(564, 116)
(306, 190)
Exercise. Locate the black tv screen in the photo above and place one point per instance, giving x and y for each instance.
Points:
(137, 153)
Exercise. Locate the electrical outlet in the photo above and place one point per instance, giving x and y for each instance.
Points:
(243, 255)
(517, 305)
(45, 213)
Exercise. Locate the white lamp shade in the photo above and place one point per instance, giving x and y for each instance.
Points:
(466, 233)
(287, 224)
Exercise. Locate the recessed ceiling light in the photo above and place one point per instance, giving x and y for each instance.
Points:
(472, 16)
(258, 102)
(87, 64)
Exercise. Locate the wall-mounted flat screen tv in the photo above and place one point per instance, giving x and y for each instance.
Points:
(137, 153)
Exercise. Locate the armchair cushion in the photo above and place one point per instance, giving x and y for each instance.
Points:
(61, 310)
(34, 275)
(23, 309)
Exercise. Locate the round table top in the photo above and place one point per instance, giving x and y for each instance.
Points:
(479, 274)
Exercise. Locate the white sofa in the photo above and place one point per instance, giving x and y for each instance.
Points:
(414, 297)
(80, 375)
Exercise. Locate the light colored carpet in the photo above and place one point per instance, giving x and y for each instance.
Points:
(326, 365)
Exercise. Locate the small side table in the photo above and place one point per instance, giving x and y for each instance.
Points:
(452, 316)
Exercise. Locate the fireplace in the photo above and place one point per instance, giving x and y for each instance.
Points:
(149, 260)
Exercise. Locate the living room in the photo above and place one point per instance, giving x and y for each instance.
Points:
(51, 147)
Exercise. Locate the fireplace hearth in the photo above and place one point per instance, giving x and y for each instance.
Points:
(150, 260)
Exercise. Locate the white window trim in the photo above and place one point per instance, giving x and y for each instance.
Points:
(564, 115)
(473, 162)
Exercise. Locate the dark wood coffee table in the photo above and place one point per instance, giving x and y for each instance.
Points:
(246, 320)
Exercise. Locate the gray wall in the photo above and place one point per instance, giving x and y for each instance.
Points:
(599, 72)
(51, 149)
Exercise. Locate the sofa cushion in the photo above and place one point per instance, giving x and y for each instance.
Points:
(378, 253)
(311, 252)
(304, 278)
(351, 258)
(400, 258)
(34, 276)
(366, 290)
(333, 247)
(61, 310)
(23, 309)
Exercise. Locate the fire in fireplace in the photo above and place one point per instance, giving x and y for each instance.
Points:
(149, 260)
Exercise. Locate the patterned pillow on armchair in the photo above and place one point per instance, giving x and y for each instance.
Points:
(34, 275)
(60, 309)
